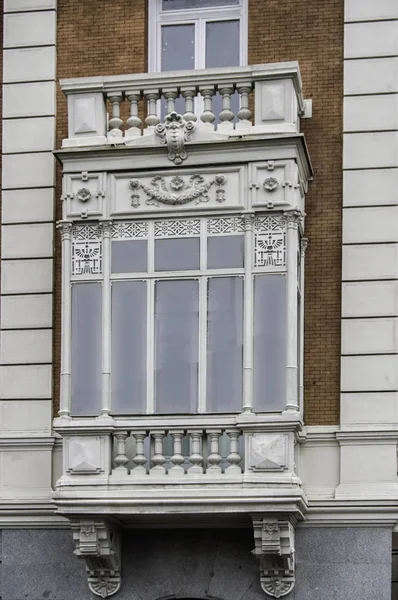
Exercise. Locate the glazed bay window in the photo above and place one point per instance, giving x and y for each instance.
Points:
(181, 315)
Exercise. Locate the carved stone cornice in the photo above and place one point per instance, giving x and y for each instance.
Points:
(99, 545)
(274, 548)
(174, 132)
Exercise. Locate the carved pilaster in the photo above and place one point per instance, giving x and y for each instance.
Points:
(274, 548)
(99, 545)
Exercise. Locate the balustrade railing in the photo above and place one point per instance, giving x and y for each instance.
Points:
(178, 453)
(278, 102)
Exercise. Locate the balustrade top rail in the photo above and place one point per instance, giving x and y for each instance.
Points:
(278, 102)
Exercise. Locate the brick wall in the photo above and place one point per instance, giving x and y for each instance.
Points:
(109, 37)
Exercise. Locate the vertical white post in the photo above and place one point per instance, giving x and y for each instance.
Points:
(248, 221)
(293, 219)
(66, 319)
(106, 227)
(303, 248)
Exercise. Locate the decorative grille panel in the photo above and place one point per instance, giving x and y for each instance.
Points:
(269, 241)
(86, 250)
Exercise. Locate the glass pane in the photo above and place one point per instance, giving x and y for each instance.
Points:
(225, 251)
(222, 44)
(129, 256)
(129, 347)
(176, 346)
(86, 348)
(184, 4)
(177, 254)
(178, 47)
(224, 344)
(269, 343)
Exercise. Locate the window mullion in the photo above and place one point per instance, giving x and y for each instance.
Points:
(150, 322)
(248, 316)
(106, 319)
(202, 344)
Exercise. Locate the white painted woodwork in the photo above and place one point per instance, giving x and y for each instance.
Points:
(370, 187)
(369, 10)
(25, 381)
(28, 170)
(25, 416)
(28, 135)
(370, 39)
(27, 206)
(29, 29)
(27, 241)
(374, 261)
(27, 5)
(26, 346)
(369, 373)
(370, 299)
(25, 312)
(29, 64)
(370, 225)
(22, 276)
(371, 76)
(370, 409)
(369, 336)
(370, 150)
(370, 113)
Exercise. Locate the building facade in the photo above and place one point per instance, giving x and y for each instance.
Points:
(198, 393)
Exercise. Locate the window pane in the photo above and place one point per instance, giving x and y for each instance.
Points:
(222, 44)
(129, 256)
(269, 343)
(184, 4)
(86, 349)
(176, 346)
(178, 47)
(225, 251)
(129, 347)
(177, 254)
(224, 344)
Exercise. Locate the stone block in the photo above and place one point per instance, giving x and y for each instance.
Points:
(369, 373)
(371, 113)
(25, 472)
(311, 467)
(29, 64)
(371, 76)
(27, 241)
(370, 187)
(25, 312)
(370, 299)
(369, 336)
(368, 10)
(23, 276)
(370, 39)
(369, 408)
(370, 225)
(373, 261)
(29, 99)
(25, 381)
(370, 150)
(363, 463)
(28, 135)
(25, 5)
(27, 205)
(28, 170)
(26, 416)
(26, 346)
(29, 29)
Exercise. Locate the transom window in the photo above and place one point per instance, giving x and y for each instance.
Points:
(183, 293)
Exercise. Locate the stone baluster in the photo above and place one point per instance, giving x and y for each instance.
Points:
(214, 458)
(158, 458)
(170, 94)
(139, 459)
(226, 115)
(208, 116)
(152, 119)
(133, 122)
(115, 123)
(189, 93)
(177, 459)
(121, 459)
(234, 458)
(196, 458)
(244, 114)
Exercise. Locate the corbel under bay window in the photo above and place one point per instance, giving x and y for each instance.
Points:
(182, 315)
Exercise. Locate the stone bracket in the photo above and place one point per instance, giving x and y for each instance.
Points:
(274, 547)
(99, 545)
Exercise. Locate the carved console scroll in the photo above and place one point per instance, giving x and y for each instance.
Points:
(274, 547)
(99, 545)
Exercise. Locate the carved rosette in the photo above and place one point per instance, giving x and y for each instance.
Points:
(177, 191)
(98, 544)
(270, 184)
(83, 194)
(274, 548)
(175, 132)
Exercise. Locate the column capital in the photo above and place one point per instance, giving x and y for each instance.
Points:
(65, 228)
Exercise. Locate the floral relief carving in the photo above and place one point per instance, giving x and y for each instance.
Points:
(177, 191)
(270, 184)
(174, 132)
(83, 195)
